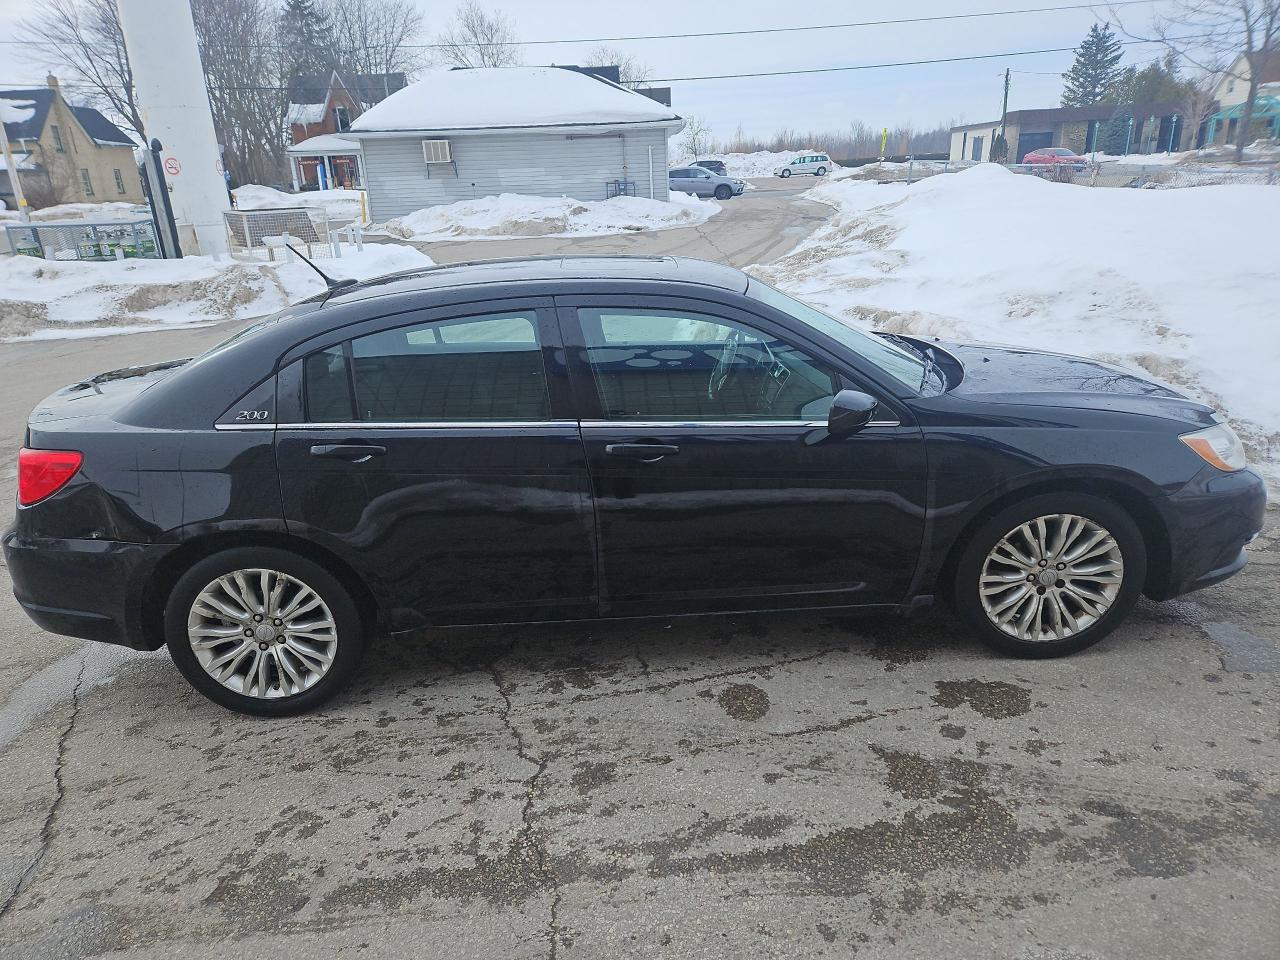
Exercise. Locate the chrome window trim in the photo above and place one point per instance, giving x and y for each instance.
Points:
(676, 424)
(536, 424)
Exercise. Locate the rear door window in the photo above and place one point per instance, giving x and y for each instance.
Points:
(485, 368)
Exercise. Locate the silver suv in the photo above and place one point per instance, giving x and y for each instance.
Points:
(703, 183)
(817, 164)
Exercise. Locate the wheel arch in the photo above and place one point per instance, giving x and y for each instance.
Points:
(1125, 494)
(162, 579)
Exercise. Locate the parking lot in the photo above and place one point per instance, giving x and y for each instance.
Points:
(769, 786)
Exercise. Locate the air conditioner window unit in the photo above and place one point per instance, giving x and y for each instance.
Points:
(436, 151)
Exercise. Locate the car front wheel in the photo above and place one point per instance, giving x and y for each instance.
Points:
(723, 192)
(1051, 575)
(263, 631)
(784, 174)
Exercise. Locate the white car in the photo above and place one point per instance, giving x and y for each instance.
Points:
(817, 164)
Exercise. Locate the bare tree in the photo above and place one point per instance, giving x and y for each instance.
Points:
(83, 38)
(696, 138)
(631, 69)
(239, 47)
(1232, 38)
(376, 36)
(478, 38)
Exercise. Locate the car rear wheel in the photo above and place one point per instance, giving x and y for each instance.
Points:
(263, 631)
(1051, 575)
(820, 172)
(785, 174)
(723, 192)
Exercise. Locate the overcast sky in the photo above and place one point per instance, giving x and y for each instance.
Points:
(920, 95)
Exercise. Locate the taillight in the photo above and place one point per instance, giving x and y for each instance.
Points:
(42, 473)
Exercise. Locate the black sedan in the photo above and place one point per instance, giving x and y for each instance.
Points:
(560, 439)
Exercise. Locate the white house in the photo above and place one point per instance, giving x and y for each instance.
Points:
(546, 131)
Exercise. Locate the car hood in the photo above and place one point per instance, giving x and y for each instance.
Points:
(1005, 374)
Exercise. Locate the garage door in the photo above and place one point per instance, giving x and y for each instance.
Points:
(1032, 141)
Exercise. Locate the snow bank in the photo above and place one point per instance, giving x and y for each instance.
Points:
(337, 204)
(1183, 283)
(57, 299)
(510, 215)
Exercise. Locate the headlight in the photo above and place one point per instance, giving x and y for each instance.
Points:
(1217, 445)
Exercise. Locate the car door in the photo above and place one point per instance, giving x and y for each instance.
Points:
(437, 453)
(679, 180)
(700, 180)
(716, 485)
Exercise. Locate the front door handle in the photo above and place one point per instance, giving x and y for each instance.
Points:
(645, 452)
(355, 452)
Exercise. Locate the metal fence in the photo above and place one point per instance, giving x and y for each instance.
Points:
(261, 231)
(84, 239)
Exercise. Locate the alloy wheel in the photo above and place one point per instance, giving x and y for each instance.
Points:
(262, 633)
(1051, 578)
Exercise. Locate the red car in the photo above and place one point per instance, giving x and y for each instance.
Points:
(1056, 155)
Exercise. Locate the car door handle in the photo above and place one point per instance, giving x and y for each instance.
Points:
(355, 452)
(646, 452)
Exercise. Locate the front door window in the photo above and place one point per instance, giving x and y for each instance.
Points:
(663, 365)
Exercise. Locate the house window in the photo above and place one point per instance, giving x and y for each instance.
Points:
(342, 118)
(964, 143)
(86, 181)
(57, 139)
(119, 181)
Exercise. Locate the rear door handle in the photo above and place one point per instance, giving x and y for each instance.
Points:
(355, 452)
(646, 452)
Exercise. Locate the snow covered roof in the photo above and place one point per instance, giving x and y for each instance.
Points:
(305, 113)
(509, 97)
(102, 131)
(23, 161)
(325, 143)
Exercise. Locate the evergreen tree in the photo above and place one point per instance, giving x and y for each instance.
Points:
(1096, 68)
(307, 37)
(1116, 134)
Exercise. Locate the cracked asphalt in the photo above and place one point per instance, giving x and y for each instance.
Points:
(780, 786)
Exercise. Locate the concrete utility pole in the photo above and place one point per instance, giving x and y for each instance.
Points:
(160, 38)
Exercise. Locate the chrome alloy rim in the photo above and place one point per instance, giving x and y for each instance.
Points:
(1051, 577)
(262, 633)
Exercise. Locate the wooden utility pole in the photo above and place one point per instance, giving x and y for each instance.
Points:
(1004, 109)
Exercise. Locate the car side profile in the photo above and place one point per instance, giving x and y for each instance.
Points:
(1056, 156)
(571, 438)
(813, 164)
(715, 166)
(702, 182)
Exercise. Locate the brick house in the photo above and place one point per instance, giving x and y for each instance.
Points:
(1157, 127)
(67, 154)
(321, 108)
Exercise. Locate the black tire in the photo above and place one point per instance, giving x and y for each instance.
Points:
(784, 174)
(820, 172)
(723, 192)
(1111, 517)
(350, 632)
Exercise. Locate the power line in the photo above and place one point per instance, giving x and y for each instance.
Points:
(767, 73)
(900, 21)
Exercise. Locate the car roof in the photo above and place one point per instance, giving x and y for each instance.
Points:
(551, 268)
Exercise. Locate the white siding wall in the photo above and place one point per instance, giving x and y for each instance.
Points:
(541, 164)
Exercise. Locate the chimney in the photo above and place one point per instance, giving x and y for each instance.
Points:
(51, 81)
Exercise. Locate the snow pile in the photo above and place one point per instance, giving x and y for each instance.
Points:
(1182, 283)
(484, 97)
(511, 215)
(56, 299)
(336, 204)
(112, 210)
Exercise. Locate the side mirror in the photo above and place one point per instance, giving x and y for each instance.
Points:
(851, 410)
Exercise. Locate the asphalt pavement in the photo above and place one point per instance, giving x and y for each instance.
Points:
(781, 786)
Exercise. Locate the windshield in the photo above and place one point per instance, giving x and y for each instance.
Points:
(903, 366)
